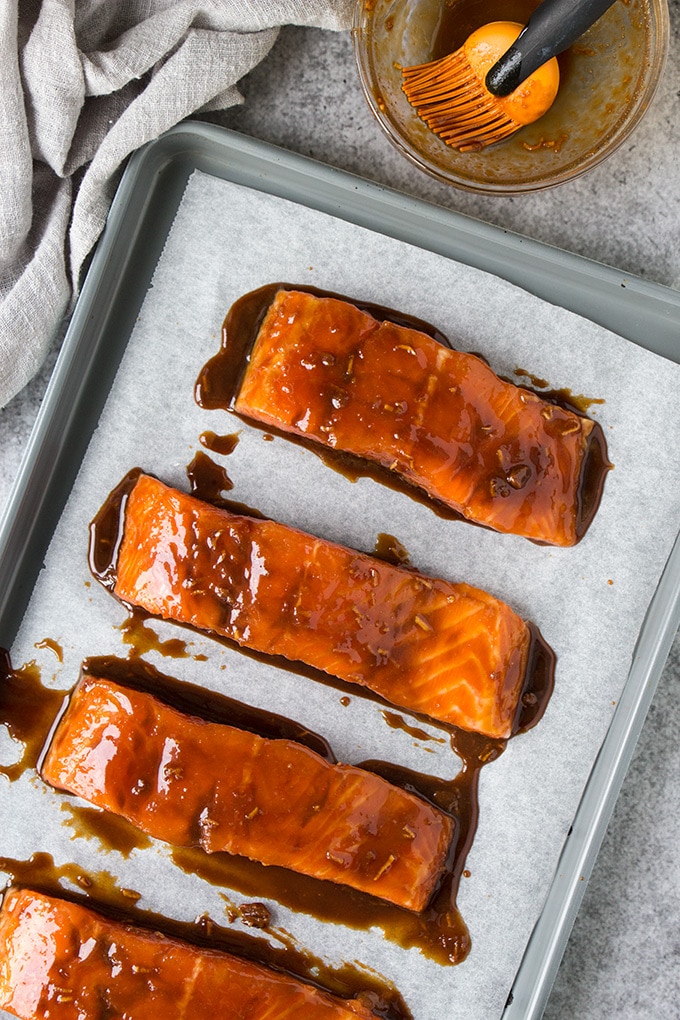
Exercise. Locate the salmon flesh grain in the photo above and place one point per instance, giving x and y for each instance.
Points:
(445, 650)
(323, 369)
(192, 782)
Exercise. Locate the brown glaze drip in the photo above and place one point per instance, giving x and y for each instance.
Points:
(41, 873)
(596, 467)
(539, 684)
(438, 932)
(563, 397)
(255, 915)
(28, 710)
(101, 892)
(397, 722)
(219, 382)
(53, 646)
(536, 382)
(143, 639)
(235, 507)
(352, 468)
(112, 831)
(390, 549)
(209, 481)
(440, 923)
(219, 444)
(106, 531)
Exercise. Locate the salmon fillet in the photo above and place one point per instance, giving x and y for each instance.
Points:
(192, 782)
(494, 452)
(448, 651)
(61, 960)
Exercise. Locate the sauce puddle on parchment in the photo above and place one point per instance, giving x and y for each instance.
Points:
(28, 710)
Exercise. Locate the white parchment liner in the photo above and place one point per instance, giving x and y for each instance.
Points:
(589, 601)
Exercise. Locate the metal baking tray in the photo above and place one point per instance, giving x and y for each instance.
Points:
(118, 278)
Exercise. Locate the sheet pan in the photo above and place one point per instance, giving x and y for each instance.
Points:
(117, 284)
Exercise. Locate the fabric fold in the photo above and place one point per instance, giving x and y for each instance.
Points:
(83, 84)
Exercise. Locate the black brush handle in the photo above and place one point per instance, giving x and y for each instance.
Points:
(551, 29)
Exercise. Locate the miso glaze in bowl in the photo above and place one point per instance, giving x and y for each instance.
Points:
(607, 80)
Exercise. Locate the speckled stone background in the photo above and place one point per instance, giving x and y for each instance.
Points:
(623, 958)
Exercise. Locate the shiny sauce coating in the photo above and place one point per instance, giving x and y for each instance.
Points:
(192, 782)
(446, 650)
(326, 371)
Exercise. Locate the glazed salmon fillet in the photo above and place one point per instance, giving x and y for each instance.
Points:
(192, 782)
(445, 650)
(499, 455)
(62, 960)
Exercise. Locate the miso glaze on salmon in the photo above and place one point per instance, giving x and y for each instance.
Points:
(448, 651)
(63, 961)
(192, 782)
(324, 369)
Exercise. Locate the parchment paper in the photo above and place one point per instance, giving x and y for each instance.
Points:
(589, 601)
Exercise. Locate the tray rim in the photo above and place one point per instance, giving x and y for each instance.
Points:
(151, 188)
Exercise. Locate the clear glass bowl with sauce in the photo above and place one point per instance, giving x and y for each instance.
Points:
(607, 80)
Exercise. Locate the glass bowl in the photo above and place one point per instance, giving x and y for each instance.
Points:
(607, 80)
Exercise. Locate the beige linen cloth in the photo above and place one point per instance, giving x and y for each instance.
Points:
(83, 83)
